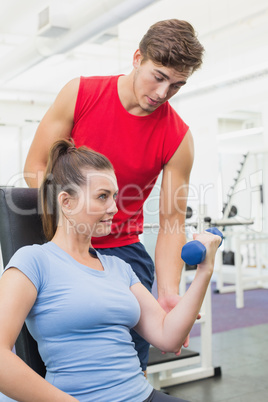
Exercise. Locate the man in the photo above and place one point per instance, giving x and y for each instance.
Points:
(128, 119)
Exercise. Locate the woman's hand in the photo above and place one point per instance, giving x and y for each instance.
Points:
(211, 242)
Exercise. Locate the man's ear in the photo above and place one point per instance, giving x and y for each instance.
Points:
(137, 57)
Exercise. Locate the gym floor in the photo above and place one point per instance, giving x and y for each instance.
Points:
(243, 358)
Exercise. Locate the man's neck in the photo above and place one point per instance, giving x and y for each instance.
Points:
(127, 96)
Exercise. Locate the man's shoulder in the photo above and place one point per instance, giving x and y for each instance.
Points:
(170, 109)
(97, 84)
(106, 79)
(173, 117)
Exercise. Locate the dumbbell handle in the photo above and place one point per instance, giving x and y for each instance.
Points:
(194, 252)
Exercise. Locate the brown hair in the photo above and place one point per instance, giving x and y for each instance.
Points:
(172, 43)
(65, 171)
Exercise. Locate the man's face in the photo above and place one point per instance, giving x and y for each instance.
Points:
(155, 84)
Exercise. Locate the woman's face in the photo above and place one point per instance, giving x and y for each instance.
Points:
(94, 207)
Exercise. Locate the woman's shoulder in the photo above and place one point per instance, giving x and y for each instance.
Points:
(29, 256)
(33, 262)
(119, 267)
(32, 250)
(113, 261)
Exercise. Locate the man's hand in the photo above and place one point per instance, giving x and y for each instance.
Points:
(168, 303)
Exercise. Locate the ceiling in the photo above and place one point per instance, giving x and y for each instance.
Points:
(45, 43)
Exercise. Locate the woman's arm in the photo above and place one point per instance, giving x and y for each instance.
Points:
(167, 331)
(17, 380)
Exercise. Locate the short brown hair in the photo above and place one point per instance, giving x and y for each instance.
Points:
(65, 172)
(172, 43)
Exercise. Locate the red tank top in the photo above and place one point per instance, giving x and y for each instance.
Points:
(137, 146)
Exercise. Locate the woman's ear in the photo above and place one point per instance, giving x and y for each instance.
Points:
(64, 200)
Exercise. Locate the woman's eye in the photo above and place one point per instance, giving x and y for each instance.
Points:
(158, 78)
(103, 196)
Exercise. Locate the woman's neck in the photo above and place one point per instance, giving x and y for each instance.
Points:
(72, 243)
(78, 248)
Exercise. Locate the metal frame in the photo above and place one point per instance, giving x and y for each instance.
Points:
(244, 278)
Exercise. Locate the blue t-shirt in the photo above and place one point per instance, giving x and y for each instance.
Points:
(81, 321)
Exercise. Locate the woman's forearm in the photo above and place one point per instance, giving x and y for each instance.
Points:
(179, 321)
(18, 381)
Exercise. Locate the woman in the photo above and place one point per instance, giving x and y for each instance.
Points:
(80, 305)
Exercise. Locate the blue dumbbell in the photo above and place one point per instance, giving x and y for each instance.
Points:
(194, 252)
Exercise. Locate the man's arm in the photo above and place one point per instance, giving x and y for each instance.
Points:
(171, 237)
(56, 124)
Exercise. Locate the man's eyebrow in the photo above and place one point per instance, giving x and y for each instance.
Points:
(168, 78)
